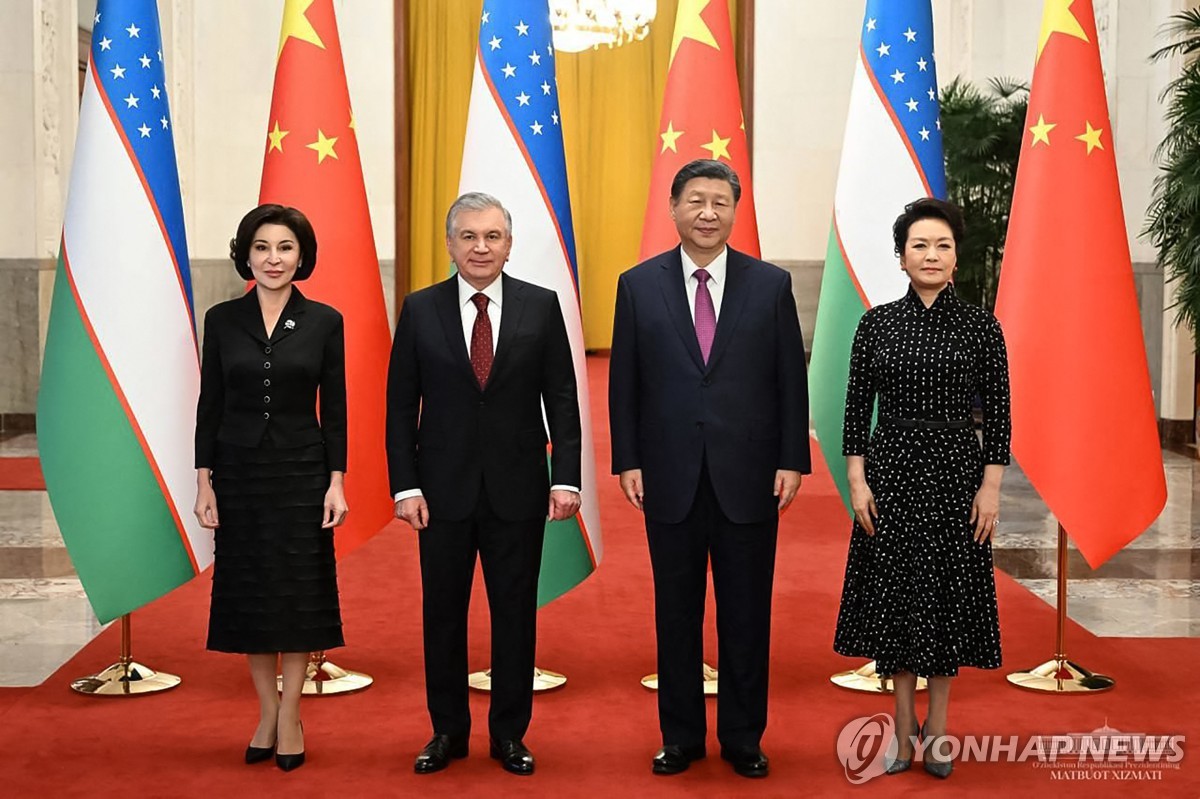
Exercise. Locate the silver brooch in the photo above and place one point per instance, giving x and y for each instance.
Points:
(289, 325)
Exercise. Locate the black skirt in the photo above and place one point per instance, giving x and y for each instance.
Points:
(274, 573)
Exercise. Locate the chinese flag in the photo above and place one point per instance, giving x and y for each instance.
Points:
(311, 162)
(701, 118)
(1084, 427)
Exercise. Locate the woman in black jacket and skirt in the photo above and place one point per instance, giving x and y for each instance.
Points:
(273, 470)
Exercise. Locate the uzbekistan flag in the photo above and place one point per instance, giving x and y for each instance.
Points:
(892, 155)
(514, 151)
(116, 410)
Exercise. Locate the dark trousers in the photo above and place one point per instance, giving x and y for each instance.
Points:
(511, 554)
(743, 568)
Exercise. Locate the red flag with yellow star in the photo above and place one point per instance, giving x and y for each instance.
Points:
(311, 163)
(701, 118)
(1084, 425)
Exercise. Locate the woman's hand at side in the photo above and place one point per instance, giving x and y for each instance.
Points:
(335, 502)
(985, 509)
(206, 500)
(862, 501)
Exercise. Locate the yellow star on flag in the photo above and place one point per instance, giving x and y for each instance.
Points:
(689, 25)
(1091, 138)
(718, 147)
(276, 136)
(669, 137)
(353, 124)
(1041, 131)
(297, 26)
(1057, 18)
(323, 146)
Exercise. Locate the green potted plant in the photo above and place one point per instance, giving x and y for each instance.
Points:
(1173, 218)
(982, 131)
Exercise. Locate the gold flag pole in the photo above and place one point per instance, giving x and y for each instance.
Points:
(323, 678)
(543, 680)
(1060, 675)
(867, 678)
(126, 677)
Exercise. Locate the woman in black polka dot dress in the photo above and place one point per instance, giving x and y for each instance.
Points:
(919, 595)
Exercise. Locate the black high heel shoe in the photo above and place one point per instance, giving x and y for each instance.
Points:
(901, 765)
(257, 754)
(290, 762)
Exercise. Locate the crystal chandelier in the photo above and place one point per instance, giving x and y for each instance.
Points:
(580, 24)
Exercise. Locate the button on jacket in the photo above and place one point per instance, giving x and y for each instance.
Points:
(255, 387)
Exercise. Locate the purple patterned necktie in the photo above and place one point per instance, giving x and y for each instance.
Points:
(706, 315)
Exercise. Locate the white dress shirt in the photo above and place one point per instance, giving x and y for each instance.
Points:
(716, 281)
(494, 291)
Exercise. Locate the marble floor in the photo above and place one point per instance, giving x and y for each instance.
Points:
(1151, 588)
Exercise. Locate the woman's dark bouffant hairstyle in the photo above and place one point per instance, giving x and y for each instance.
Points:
(928, 208)
(272, 214)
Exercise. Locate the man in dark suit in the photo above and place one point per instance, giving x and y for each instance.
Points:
(474, 360)
(708, 407)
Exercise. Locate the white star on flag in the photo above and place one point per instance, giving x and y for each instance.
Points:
(155, 91)
(897, 77)
(922, 64)
(133, 31)
(554, 117)
(883, 49)
(932, 94)
(912, 104)
(523, 98)
(106, 43)
(509, 70)
(118, 72)
(145, 131)
(131, 101)
(522, 28)
(910, 35)
(536, 127)
(535, 59)
(145, 59)
(495, 42)
(924, 134)
(871, 24)
(545, 87)
(486, 16)
(165, 123)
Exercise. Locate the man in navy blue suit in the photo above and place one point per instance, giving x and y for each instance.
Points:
(708, 405)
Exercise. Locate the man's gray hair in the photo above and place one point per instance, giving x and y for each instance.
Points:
(475, 201)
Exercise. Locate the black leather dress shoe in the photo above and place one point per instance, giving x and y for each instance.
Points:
(747, 761)
(672, 759)
(437, 753)
(513, 755)
(258, 754)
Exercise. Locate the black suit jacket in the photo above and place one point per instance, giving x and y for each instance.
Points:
(448, 437)
(746, 411)
(253, 386)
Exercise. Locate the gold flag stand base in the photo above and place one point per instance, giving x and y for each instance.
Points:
(1060, 675)
(543, 680)
(650, 681)
(866, 678)
(126, 677)
(322, 678)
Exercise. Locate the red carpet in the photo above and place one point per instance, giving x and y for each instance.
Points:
(21, 474)
(595, 737)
